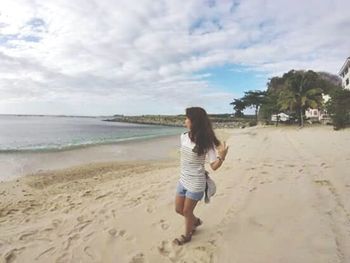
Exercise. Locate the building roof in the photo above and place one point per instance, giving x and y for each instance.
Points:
(347, 62)
(281, 114)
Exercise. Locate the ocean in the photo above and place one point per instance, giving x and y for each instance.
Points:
(53, 133)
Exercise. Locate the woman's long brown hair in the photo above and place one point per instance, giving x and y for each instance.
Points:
(201, 132)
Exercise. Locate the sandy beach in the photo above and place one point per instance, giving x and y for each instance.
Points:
(282, 196)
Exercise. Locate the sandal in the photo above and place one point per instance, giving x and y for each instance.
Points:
(198, 223)
(183, 239)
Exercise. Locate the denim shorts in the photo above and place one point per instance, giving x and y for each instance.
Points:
(182, 191)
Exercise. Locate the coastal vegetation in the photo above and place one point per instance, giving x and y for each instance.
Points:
(294, 93)
(339, 107)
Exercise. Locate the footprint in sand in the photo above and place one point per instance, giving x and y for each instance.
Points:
(212, 242)
(45, 252)
(10, 256)
(86, 193)
(89, 252)
(88, 235)
(47, 229)
(80, 218)
(169, 250)
(113, 213)
(138, 258)
(56, 222)
(67, 210)
(67, 243)
(322, 182)
(150, 209)
(252, 189)
(10, 211)
(54, 208)
(103, 195)
(267, 181)
(231, 211)
(253, 221)
(164, 248)
(118, 233)
(81, 224)
(112, 232)
(220, 233)
(324, 165)
(62, 258)
(151, 197)
(163, 225)
(27, 235)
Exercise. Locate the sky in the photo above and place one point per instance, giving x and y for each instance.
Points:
(106, 57)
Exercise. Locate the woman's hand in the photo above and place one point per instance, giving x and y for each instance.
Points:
(222, 150)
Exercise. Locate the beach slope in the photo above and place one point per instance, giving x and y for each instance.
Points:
(282, 196)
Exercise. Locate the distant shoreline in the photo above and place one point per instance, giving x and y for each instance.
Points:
(218, 120)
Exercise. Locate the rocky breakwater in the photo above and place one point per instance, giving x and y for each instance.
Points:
(178, 121)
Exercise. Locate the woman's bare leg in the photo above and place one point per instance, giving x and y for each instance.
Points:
(179, 207)
(179, 204)
(189, 206)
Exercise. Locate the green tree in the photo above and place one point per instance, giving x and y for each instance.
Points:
(302, 90)
(254, 98)
(292, 93)
(269, 105)
(238, 107)
(339, 108)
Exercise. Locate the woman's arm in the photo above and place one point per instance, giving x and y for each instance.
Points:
(216, 164)
(222, 151)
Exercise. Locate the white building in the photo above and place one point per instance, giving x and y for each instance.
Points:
(281, 117)
(344, 73)
(318, 114)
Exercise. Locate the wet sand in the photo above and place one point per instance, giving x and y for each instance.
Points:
(13, 165)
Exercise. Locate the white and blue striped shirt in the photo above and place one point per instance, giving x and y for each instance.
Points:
(192, 175)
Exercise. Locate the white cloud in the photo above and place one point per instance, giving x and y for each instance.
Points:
(149, 52)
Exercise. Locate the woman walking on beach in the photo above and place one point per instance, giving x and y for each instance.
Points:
(197, 145)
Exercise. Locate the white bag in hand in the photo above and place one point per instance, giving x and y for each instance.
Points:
(210, 188)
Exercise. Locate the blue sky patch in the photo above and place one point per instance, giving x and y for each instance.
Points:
(235, 78)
